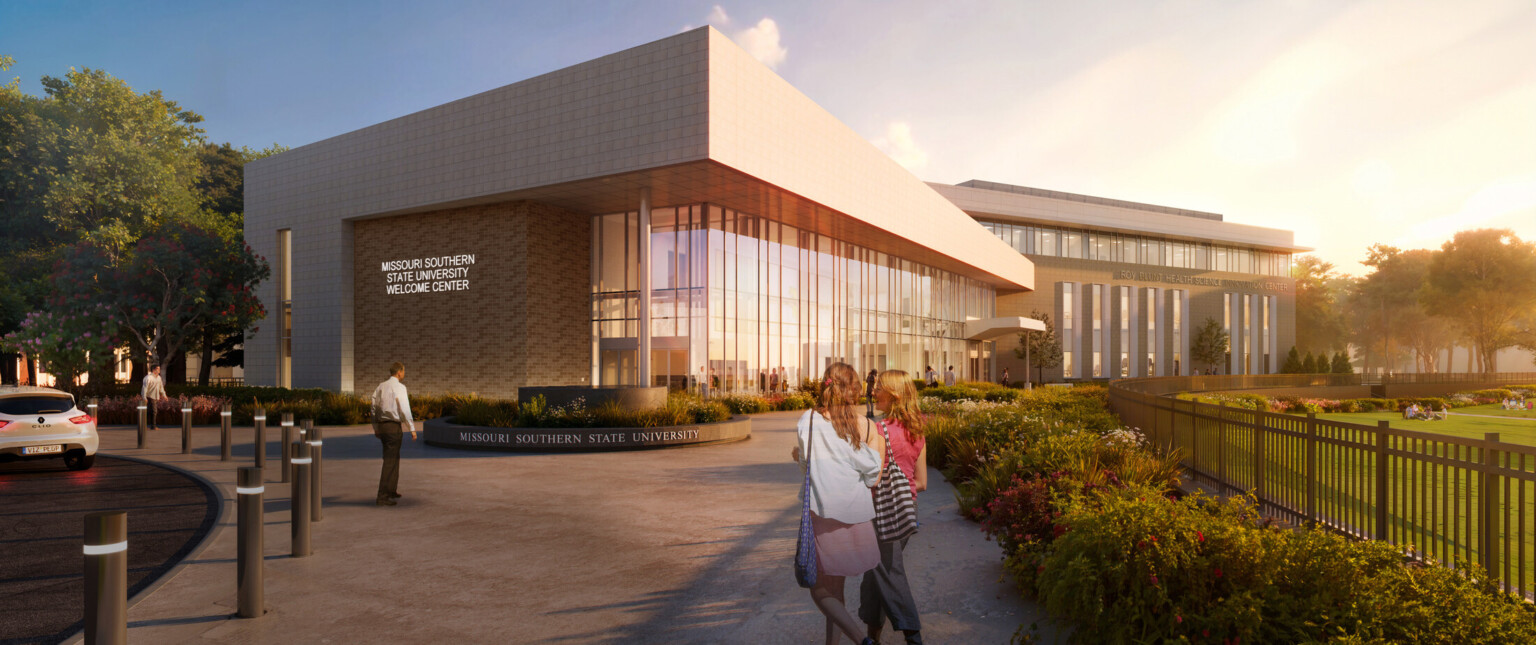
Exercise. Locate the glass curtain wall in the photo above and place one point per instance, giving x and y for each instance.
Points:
(1031, 239)
(744, 303)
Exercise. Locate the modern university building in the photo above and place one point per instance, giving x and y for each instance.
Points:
(677, 214)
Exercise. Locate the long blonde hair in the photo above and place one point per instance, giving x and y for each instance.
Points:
(840, 389)
(898, 385)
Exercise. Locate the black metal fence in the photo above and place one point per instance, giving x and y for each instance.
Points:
(1441, 498)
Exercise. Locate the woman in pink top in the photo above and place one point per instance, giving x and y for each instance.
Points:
(885, 591)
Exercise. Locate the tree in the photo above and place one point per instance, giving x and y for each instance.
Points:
(1292, 362)
(65, 343)
(170, 286)
(1320, 322)
(1309, 364)
(91, 159)
(1484, 281)
(1041, 348)
(1389, 320)
(1341, 364)
(1210, 344)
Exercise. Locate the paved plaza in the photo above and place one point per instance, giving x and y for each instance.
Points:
(687, 545)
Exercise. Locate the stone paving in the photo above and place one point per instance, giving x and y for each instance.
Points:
(686, 545)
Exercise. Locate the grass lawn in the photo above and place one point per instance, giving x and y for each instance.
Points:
(1473, 422)
(1431, 506)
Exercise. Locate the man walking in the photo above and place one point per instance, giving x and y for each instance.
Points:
(153, 391)
(391, 410)
(949, 375)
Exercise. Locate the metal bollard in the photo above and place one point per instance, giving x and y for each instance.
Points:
(299, 495)
(186, 429)
(259, 443)
(287, 456)
(226, 419)
(249, 578)
(312, 437)
(91, 410)
(143, 424)
(106, 578)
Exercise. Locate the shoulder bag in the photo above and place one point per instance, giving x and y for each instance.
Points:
(805, 547)
(895, 506)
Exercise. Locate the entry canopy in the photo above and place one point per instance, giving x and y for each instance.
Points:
(995, 328)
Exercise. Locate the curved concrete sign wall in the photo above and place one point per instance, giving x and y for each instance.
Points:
(444, 433)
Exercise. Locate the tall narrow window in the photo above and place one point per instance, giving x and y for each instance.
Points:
(285, 307)
(1177, 332)
(1150, 314)
(1125, 332)
(1226, 325)
(1066, 329)
(1248, 334)
(1264, 335)
(1097, 302)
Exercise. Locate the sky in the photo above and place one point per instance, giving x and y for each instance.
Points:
(1350, 123)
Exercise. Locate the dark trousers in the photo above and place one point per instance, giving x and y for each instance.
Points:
(885, 592)
(388, 433)
(154, 411)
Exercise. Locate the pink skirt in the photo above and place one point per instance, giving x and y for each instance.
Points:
(844, 549)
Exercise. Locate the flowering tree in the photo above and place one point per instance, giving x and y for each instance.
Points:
(65, 343)
(167, 287)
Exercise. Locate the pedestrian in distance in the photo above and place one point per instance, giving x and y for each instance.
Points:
(391, 413)
(1005, 380)
(843, 456)
(153, 391)
(869, 392)
(930, 375)
(949, 375)
(885, 592)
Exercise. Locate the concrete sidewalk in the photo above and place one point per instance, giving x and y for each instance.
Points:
(686, 545)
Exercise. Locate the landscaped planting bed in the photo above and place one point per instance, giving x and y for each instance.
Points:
(1093, 527)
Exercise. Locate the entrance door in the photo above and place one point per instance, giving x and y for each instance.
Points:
(669, 367)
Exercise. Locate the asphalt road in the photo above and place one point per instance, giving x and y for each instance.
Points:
(42, 517)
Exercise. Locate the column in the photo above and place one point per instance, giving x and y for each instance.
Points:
(1235, 341)
(1254, 309)
(1274, 334)
(1138, 333)
(1184, 324)
(644, 358)
(1162, 362)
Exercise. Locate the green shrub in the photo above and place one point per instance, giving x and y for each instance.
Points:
(680, 409)
(1128, 565)
(745, 403)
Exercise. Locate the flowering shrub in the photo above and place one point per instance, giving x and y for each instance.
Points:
(680, 409)
(1091, 526)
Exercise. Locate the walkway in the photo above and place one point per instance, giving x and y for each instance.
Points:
(689, 545)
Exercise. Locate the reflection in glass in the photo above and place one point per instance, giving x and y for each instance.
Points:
(744, 303)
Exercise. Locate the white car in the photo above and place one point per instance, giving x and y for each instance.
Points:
(41, 423)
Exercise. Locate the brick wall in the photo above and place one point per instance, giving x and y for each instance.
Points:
(524, 318)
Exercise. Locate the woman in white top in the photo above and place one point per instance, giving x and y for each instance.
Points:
(845, 457)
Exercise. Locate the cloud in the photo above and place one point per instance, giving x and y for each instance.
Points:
(762, 40)
(899, 144)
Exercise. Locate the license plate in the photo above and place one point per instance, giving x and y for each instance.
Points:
(41, 450)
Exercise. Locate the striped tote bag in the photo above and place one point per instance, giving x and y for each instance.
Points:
(895, 507)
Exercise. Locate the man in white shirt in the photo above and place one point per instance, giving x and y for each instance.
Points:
(153, 391)
(949, 375)
(391, 410)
